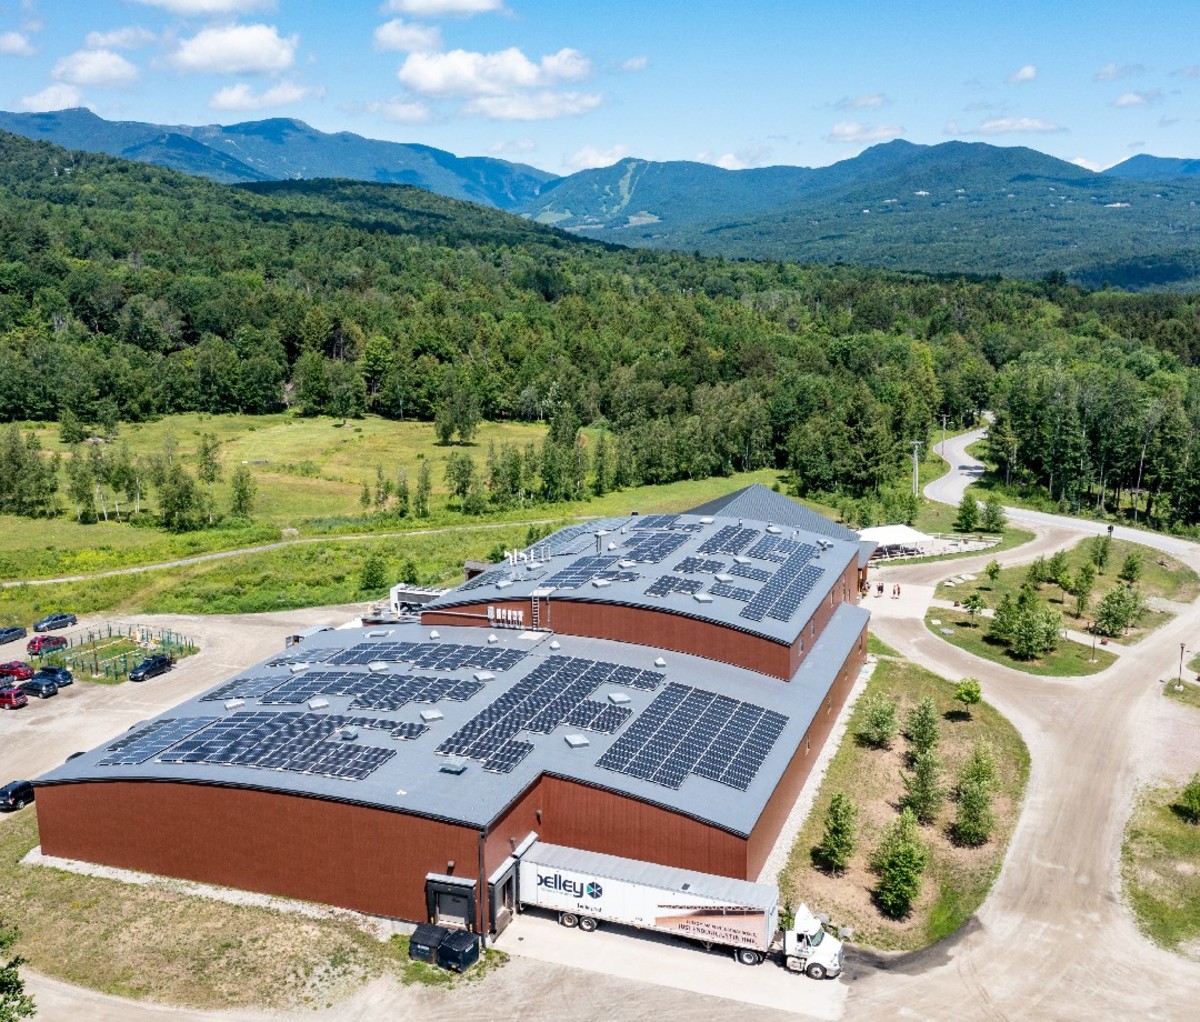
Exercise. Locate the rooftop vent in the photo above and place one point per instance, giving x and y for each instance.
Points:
(435, 634)
(706, 520)
(492, 639)
(577, 741)
(601, 583)
(556, 644)
(504, 583)
(484, 676)
(431, 715)
(318, 704)
(379, 633)
(299, 668)
(625, 562)
(723, 578)
(454, 766)
(233, 704)
(660, 662)
(775, 530)
(739, 559)
(348, 734)
(377, 666)
(618, 698)
(702, 597)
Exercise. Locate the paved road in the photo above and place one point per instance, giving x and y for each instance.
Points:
(1053, 941)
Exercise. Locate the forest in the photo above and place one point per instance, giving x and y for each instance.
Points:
(129, 292)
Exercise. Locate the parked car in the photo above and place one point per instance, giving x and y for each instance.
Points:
(155, 664)
(11, 633)
(59, 675)
(41, 645)
(52, 621)
(12, 698)
(16, 795)
(18, 670)
(41, 687)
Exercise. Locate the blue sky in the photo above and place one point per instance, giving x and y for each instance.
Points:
(568, 84)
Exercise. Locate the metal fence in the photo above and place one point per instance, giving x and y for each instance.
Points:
(108, 652)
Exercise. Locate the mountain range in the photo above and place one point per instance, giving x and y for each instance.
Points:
(954, 207)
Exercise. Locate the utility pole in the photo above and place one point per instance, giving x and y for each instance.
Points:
(1181, 663)
(945, 419)
(916, 446)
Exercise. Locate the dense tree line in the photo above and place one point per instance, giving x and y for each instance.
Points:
(127, 292)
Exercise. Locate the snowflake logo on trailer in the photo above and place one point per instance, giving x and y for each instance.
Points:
(594, 890)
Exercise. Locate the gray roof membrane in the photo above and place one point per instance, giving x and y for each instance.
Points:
(325, 743)
(759, 503)
(649, 874)
(764, 576)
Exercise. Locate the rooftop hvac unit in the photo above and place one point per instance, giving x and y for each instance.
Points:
(454, 766)
(348, 734)
(618, 698)
(577, 741)
(431, 715)
(318, 704)
(233, 704)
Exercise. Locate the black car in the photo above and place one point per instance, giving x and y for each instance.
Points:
(52, 621)
(41, 687)
(11, 633)
(59, 675)
(16, 795)
(157, 663)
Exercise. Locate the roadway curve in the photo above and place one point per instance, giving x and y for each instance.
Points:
(1054, 940)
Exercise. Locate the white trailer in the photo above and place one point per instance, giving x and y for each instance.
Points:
(587, 887)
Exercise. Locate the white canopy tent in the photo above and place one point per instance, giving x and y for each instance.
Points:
(898, 541)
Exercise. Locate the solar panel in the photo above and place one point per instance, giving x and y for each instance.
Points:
(655, 521)
(687, 731)
(652, 547)
(444, 656)
(751, 572)
(702, 564)
(146, 742)
(489, 577)
(245, 688)
(580, 572)
(667, 584)
(731, 539)
(783, 593)
(731, 591)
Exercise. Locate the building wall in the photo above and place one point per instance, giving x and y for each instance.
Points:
(844, 589)
(775, 813)
(580, 816)
(370, 860)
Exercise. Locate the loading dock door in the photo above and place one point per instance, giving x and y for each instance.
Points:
(450, 901)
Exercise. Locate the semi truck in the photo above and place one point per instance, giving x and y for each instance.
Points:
(587, 888)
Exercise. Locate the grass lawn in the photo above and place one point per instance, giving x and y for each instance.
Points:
(1160, 868)
(957, 878)
(1185, 692)
(1071, 659)
(1162, 576)
(155, 943)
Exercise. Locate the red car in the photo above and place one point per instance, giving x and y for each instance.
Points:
(12, 699)
(18, 670)
(40, 645)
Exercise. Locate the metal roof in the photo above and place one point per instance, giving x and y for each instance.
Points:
(720, 567)
(761, 504)
(395, 750)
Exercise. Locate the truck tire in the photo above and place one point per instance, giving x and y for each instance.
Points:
(747, 956)
(815, 971)
(587, 924)
(568, 919)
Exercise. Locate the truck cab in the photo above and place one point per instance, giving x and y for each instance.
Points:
(809, 949)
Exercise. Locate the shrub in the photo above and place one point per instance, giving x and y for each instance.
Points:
(968, 514)
(841, 834)
(968, 692)
(879, 725)
(973, 818)
(978, 768)
(899, 861)
(1189, 800)
(921, 727)
(922, 792)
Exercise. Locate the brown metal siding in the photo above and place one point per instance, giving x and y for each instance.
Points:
(641, 626)
(775, 814)
(365, 859)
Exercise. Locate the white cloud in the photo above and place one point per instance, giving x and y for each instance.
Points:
(1114, 72)
(242, 97)
(464, 73)
(846, 132)
(207, 7)
(1079, 161)
(1016, 125)
(398, 34)
(236, 49)
(638, 63)
(589, 157)
(533, 106)
(95, 67)
(512, 147)
(1191, 71)
(401, 111)
(751, 156)
(443, 8)
(868, 101)
(120, 38)
(53, 97)
(1128, 99)
(14, 44)
(1024, 74)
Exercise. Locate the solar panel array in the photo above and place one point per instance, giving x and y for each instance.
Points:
(579, 572)
(555, 692)
(146, 742)
(751, 571)
(778, 549)
(489, 577)
(731, 591)
(731, 539)
(370, 691)
(667, 584)
(295, 742)
(652, 547)
(619, 576)
(245, 688)
(425, 656)
(655, 521)
(709, 567)
(687, 730)
(785, 591)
